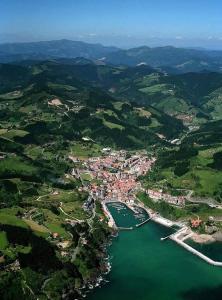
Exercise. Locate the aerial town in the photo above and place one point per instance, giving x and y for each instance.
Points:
(113, 175)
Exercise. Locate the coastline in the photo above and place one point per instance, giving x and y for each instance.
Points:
(195, 252)
(203, 238)
(104, 269)
(179, 237)
(182, 234)
(198, 238)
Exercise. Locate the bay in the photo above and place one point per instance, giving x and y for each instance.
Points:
(145, 268)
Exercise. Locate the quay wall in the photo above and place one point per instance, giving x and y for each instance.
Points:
(195, 252)
(109, 216)
(173, 237)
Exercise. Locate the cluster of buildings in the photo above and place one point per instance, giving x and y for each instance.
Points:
(115, 178)
(159, 195)
(114, 175)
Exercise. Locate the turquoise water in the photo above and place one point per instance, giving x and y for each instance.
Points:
(144, 268)
(214, 251)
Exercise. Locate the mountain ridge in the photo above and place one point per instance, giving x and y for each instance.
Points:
(179, 59)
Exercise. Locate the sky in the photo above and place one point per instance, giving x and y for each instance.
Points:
(123, 23)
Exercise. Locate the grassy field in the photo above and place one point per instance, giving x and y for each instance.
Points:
(36, 227)
(15, 167)
(118, 105)
(204, 180)
(148, 80)
(9, 219)
(11, 134)
(168, 105)
(35, 151)
(158, 88)
(57, 228)
(71, 204)
(83, 150)
(86, 176)
(142, 112)
(3, 240)
(74, 210)
(61, 86)
(11, 95)
(112, 125)
(154, 123)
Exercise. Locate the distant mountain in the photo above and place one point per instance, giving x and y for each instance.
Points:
(52, 49)
(180, 60)
(169, 59)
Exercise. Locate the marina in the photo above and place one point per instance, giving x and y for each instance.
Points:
(178, 237)
(145, 268)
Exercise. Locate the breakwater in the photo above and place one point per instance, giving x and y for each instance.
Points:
(145, 268)
(167, 223)
(175, 238)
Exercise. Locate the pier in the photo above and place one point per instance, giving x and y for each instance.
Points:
(125, 228)
(144, 222)
(165, 238)
(172, 234)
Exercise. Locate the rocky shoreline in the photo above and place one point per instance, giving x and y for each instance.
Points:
(104, 269)
(207, 238)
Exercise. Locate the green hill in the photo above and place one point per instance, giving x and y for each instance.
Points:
(188, 96)
(193, 165)
(82, 110)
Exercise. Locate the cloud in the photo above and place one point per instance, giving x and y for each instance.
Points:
(179, 37)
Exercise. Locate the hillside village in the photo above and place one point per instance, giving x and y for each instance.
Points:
(114, 177)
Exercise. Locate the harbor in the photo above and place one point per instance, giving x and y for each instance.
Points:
(179, 237)
(144, 267)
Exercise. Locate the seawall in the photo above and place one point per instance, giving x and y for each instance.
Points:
(195, 252)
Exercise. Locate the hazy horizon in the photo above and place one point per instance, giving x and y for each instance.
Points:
(123, 24)
(151, 44)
